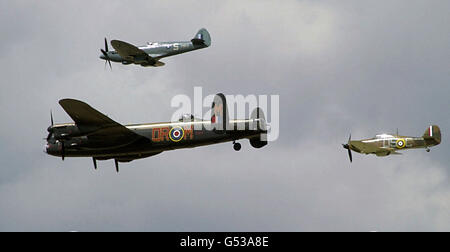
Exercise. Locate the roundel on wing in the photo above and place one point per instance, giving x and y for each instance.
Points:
(176, 134)
(400, 143)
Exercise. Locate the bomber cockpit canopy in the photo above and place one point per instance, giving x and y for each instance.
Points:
(188, 118)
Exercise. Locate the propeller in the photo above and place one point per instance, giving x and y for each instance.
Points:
(62, 150)
(105, 53)
(117, 165)
(347, 146)
(95, 162)
(52, 123)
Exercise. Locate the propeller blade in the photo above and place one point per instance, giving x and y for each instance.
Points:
(62, 150)
(95, 163)
(51, 117)
(347, 146)
(104, 53)
(106, 57)
(117, 165)
(350, 155)
(106, 45)
(109, 64)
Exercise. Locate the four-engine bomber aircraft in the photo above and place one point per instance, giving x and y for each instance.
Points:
(384, 144)
(95, 135)
(152, 52)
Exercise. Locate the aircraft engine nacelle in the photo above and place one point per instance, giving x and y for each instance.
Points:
(76, 141)
(65, 132)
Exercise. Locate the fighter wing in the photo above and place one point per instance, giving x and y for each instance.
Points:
(369, 148)
(365, 147)
(130, 52)
(97, 124)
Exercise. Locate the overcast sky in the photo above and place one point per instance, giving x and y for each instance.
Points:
(338, 66)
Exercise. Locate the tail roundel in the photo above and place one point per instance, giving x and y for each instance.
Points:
(433, 133)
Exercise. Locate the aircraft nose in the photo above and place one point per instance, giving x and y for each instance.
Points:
(51, 149)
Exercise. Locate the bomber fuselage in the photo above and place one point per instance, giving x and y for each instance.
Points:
(158, 137)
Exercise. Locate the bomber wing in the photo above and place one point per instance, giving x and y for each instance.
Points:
(98, 125)
(131, 52)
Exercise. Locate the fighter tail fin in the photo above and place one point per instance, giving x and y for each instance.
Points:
(433, 133)
(202, 38)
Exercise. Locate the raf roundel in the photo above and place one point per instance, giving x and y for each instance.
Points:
(400, 143)
(176, 134)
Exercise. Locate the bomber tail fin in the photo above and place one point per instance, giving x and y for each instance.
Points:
(202, 38)
(433, 135)
(259, 117)
(219, 114)
(261, 140)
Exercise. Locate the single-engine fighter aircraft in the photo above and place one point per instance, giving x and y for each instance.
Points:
(95, 135)
(385, 144)
(152, 52)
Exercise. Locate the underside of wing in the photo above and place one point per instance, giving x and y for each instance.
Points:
(125, 158)
(156, 64)
(368, 148)
(97, 124)
(130, 52)
(386, 152)
(365, 147)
